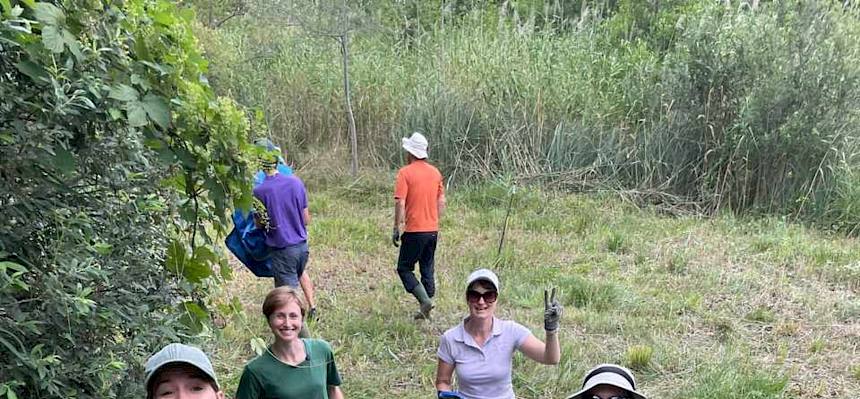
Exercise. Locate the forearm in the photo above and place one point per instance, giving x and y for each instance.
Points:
(444, 374)
(399, 210)
(334, 392)
(552, 351)
(440, 206)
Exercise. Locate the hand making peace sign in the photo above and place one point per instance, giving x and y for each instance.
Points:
(552, 311)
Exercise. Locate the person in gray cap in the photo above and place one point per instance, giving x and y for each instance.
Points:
(608, 381)
(481, 348)
(419, 200)
(180, 371)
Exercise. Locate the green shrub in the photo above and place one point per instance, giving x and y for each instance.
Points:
(113, 155)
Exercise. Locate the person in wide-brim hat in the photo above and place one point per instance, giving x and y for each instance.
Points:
(419, 201)
(608, 381)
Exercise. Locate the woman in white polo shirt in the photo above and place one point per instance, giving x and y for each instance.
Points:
(481, 348)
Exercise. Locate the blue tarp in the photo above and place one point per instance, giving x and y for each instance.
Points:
(246, 241)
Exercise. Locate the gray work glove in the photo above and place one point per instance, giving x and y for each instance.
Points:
(395, 237)
(552, 311)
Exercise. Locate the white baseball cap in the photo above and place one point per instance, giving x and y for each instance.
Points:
(178, 353)
(416, 145)
(609, 374)
(486, 275)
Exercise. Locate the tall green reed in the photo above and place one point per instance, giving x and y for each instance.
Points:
(708, 107)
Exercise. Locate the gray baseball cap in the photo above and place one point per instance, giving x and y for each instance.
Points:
(178, 353)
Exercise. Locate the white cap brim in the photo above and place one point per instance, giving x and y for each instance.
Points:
(485, 275)
(607, 378)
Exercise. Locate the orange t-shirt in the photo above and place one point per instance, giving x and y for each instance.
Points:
(419, 185)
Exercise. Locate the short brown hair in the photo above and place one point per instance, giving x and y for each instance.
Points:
(281, 296)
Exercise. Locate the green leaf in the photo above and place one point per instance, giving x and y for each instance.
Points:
(102, 248)
(226, 271)
(31, 4)
(244, 202)
(258, 345)
(166, 155)
(161, 69)
(216, 193)
(196, 271)
(72, 42)
(193, 316)
(63, 161)
(51, 39)
(123, 93)
(137, 115)
(6, 265)
(11, 394)
(13, 279)
(157, 109)
(153, 144)
(116, 364)
(33, 71)
(49, 14)
(115, 114)
(165, 18)
(187, 14)
(204, 254)
(176, 257)
(7, 8)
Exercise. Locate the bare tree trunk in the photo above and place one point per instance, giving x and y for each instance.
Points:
(353, 139)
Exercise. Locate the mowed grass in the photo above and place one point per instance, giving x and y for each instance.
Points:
(699, 308)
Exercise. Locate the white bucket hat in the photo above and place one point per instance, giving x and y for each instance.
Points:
(416, 145)
(486, 275)
(608, 374)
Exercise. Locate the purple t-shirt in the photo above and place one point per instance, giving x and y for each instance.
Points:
(285, 199)
(483, 372)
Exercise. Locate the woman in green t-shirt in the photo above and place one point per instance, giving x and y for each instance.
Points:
(292, 367)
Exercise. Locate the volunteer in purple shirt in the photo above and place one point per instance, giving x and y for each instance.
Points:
(481, 348)
(286, 204)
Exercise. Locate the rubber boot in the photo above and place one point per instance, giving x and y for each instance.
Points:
(426, 304)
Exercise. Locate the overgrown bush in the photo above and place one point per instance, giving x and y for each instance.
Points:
(114, 153)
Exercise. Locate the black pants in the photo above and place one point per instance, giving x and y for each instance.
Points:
(421, 248)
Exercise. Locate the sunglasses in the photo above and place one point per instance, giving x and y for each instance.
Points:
(475, 296)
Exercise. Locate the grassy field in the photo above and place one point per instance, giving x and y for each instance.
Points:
(699, 308)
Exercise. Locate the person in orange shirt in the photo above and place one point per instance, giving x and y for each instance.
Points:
(419, 200)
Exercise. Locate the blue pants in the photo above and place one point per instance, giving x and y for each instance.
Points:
(288, 264)
(421, 248)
